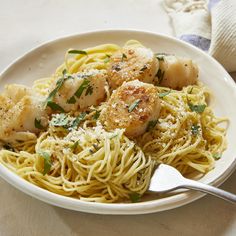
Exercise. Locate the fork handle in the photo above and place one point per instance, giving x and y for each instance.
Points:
(191, 184)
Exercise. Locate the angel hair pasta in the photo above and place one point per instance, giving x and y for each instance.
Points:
(97, 128)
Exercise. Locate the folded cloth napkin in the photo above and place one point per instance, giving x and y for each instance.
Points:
(207, 24)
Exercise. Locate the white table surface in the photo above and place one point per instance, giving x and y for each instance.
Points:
(25, 24)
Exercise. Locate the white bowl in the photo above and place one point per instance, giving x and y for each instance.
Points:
(43, 60)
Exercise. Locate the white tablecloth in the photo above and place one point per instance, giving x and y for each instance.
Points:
(25, 24)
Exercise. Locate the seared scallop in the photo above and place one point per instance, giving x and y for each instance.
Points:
(130, 63)
(81, 90)
(132, 107)
(20, 112)
(176, 72)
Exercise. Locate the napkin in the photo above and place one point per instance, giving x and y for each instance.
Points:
(209, 25)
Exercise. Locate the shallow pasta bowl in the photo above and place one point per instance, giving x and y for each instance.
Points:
(43, 60)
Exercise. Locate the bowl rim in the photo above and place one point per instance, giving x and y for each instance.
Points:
(111, 208)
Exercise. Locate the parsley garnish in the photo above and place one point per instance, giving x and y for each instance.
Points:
(47, 161)
(96, 115)
(135, 197)
(96, 147)
(151, 125)
(52, 94)
(144, 68)
(160, 57)
(161, 95)
(81, 88)
(113, 136)
(74, 51)
(162, 54)
(60, 120)
(197, 108)
(195, 129)
(67, 122)
(71, 100)
(107, 59)
(89, 90)
(37, 124)
(54, 106)
(191, 90)
(78, 120)
(91, 151)
(8, 147)
(134, 104)
(75, 145)
(216, 156)
(116, 67)
(59, 84)
(64, 72)
(123, 57)
(160, 75)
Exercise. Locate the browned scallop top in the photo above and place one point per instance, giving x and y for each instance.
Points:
(131, 106)
(130, 64)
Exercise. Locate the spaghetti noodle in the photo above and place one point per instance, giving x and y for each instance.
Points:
(87, 162)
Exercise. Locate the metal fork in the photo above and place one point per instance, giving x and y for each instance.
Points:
(166, 178)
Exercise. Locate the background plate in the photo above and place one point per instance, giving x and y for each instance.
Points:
(42, 62)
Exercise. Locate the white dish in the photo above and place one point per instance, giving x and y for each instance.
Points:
(43, 60)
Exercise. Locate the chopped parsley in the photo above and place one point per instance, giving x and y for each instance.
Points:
(162, 54)
(84, 86)
(123, 57)
(37, 124)
(195, 129)
(7, 146)
(160, 57)
(60, 120)
(197, 108)
(113, 136)
(64, 72)
(96, 147)
(144, 68)
(47, 161)
(162, 95)
(96, 115)
(89, 90)
(191, 90)
(66, 121)
(134, 105)
(116, 67)
(107, 59)
(160, 75)
(78, 120)
(54, 106)
(151, 125)
(134, 197)
(58, 86)
(71, 100)
(75, 145)
(91, 151)
(216, 156)
(81, 88)
(75, 51)
(52, 94)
